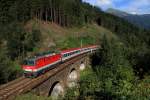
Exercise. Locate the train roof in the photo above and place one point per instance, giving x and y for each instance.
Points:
(41, 55)
(89, 46)
(72, 49)
(69, 50)
(49, 53)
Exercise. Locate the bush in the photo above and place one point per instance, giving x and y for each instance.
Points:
(114, 72)
(8, 71)
(87, 87)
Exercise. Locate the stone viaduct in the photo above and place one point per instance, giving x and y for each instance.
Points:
(68, 76)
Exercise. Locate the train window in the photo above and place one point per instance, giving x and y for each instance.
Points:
(65, 55)
(29, 62)
(25, 62)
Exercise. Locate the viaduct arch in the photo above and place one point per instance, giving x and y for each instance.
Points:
(68, 77)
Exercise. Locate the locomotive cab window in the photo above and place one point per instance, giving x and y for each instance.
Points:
(29, 62)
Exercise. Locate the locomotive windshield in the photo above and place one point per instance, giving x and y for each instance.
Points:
(29, 62)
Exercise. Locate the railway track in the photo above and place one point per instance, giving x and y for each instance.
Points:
(22, 84)
(7, 89)
(11, 83)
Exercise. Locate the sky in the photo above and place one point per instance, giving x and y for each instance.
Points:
(129, 6)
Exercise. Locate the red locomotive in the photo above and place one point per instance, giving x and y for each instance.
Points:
(37, 65)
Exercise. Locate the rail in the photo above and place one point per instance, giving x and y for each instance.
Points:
(23, 85)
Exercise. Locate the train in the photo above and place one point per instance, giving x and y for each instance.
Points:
(37, 65)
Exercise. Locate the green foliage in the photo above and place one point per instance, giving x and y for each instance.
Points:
(114, 72)
(32, 40)
(4, 63)
(72, 42)
(136, 40)
(63, 12)
(88, 85)
(31, 96)
(15, 43)
(117, 64)
(113, 66)
(9, 70)
(71, 93)
(19, 42)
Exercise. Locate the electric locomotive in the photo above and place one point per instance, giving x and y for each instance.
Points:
(37, 65)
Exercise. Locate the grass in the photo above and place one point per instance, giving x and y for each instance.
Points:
(30, 96)
(63, 38)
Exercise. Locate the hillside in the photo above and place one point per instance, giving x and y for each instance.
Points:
(55, 36)
(117, 12)
(138, 20)
(118, 67)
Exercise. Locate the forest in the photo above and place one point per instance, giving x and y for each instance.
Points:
(133, 51)
(16, 42)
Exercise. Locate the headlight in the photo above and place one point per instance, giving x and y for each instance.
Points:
(27, 69)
